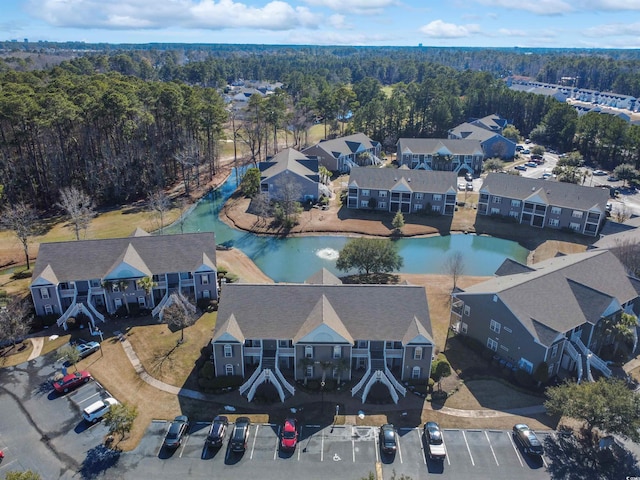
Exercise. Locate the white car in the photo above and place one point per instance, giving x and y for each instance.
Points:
(599, 173)
(97, 410)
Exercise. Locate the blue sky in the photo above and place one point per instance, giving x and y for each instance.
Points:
(476, 23)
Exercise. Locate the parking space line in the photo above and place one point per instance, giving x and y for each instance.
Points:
(515, 449)
(322, 445)
(424, 454)
(491, 447)
(353, 443)
(375, 440)
(468, 449)
(253, 445)
(399, 449)
(275, 451)
(184, 444)
(162, 444)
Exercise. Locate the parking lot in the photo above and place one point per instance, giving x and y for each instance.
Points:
(341, 452)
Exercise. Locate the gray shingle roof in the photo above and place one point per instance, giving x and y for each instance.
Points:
(347, 145)
(292, 161)
(473, 132)
(563, 292)
(154, 254)
(433, 146)
(560, 194)
(367, 312)
(323, 277)
(416, 180)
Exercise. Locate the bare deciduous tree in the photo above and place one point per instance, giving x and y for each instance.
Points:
(261, 206)
(79, 207)
(628, 252)
(21, 218)
(159, 202)
(177, 315)
(454, 267)
(15, 320)
(622, 214)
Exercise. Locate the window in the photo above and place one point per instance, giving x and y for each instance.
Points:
(556, 210)
(205, 279)
(361, 344)
(117, 302)
(115, 287)
(554, 350)
(283, 343)
(228, 351)
(515, 203)
(554, 222)
(206, 294)
(415, 373)
(497, 199)
(463, 327)
(309, 371)
(495, 211)
(48, 309)
(576, 214)
(436, 197)
(44, 293)
(467, 310)
(417, 207)
(337, 351)
(550, 369)
(364, 203)
(417, 353)
(419, 196)
(308, 351)
(228, 369)
(513, 213)
(364, 193)
(141, 302)
(574, 226)
(382, 204)
(436, 208)
(495, 326)
(382, 194)
(492, 344)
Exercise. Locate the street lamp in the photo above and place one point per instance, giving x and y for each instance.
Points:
(322, 384)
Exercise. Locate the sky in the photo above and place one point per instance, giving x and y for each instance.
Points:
(446, 23)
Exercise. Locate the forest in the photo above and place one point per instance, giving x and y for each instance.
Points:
(121, 122)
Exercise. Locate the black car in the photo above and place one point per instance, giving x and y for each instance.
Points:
(240, 435)
(177, 430)
(217, 431)
(527, 439)
(388, 439)
(435, 442)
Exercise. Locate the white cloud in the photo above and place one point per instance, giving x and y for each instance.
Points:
(440, 29)
(610, 5)
(539, 7)
(149, 14)
(338, 22)
(362, 7)
(613, 30)
(506, 32)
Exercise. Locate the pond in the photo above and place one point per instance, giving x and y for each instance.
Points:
(295, 259)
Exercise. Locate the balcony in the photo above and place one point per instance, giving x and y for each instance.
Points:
(286, 351)
(360, 352)
(253, 351)
(393, 352)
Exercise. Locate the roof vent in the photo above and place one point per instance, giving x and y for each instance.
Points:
(395, 179)
(409, 179)
(533, 189)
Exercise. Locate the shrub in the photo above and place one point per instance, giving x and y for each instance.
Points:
(523, 378)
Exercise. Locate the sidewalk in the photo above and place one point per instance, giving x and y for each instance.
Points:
(300, 397)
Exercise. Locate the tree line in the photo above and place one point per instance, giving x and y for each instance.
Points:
(122, 125)
(117, 137)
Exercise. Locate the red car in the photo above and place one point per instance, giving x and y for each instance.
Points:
(289, 437)
(71, 381)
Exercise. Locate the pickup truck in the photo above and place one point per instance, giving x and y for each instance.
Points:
(435, 443)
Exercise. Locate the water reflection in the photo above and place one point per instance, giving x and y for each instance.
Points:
(297, 258)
